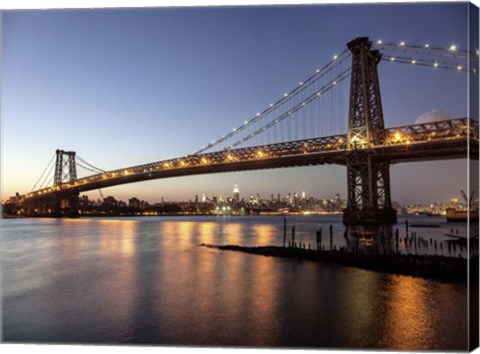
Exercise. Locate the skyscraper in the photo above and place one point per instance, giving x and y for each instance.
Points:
(236, 193)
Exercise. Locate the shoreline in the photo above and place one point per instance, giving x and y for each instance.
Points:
(441, 268)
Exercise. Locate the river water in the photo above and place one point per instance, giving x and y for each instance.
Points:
(147, 281)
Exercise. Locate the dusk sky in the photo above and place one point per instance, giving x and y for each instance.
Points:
(130, 86)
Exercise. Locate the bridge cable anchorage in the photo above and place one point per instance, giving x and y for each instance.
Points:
(320, 73)
(428, 63)
(90, 165)
(345, 74)
(45, 170)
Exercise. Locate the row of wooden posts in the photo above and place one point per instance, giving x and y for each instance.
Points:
(293, 243)
(409, 241)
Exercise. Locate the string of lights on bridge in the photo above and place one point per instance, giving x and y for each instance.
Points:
(302, 86)
(407, 136)
(447, 58)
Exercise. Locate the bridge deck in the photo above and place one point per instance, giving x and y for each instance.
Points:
(439, 140)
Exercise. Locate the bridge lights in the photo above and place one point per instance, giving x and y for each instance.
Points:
(397, 137)
(453, 48)
(402, 44)
(358, 141)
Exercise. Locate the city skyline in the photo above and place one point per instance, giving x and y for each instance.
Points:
(82, 81)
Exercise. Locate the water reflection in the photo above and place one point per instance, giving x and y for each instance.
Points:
(408, 314)
(265, 234)
(148, 281)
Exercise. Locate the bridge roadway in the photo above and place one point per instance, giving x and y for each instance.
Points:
(439, 140)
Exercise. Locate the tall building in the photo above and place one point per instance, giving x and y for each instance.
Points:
(236, 193)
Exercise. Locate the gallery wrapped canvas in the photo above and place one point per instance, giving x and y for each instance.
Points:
(269, 176)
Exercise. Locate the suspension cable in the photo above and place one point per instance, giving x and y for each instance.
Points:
(288, 96)
(426, 62)
(90, 165)
(308, 100)
(426, 49)
(87, 168)
(47, 177)
(45, 170)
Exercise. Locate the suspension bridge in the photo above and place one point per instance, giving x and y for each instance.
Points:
(306, 126)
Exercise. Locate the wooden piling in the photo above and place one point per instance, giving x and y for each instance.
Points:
(331, 237)
(293, 235)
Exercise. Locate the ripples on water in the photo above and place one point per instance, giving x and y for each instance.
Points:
(145, 280)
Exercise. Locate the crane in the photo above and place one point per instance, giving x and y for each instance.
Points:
(468, 200)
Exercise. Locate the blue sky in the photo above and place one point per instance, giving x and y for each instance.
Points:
(130, 86)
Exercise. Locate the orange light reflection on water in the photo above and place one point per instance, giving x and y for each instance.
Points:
(207, 232)
(264, 306)
(410, 307)
(264, 234)
(234, 233)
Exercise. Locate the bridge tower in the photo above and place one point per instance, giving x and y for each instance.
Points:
(71, 200)
(368, 177)
(60, 165)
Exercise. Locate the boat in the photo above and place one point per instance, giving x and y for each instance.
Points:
(455, 215)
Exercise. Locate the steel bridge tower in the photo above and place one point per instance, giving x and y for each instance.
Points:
(59, 167)
(368, 177)
(65, 204)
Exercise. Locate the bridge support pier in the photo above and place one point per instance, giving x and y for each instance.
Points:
(355, 216)
(369, 199)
